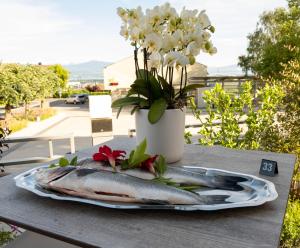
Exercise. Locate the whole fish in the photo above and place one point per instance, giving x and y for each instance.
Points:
(112, 186)
(178, 175)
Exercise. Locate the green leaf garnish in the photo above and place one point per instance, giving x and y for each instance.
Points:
(74, 161)
(138, 155)
(188, 187)
(53, 165)
(63, 162)
(169, 182)
(160, 165)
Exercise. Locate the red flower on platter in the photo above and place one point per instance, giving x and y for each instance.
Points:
(107, 154)
(148, 164)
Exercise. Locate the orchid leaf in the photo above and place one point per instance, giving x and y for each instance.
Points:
(156, 110)
(135, 108)
(191, 87)
(119, 112)
(139, 90)
(151, 83)
(168, 90)
(125, 101)
(165, 85)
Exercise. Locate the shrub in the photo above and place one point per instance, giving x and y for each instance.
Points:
(95, 88)
(228, 111)
(266, 129)
(290, 236)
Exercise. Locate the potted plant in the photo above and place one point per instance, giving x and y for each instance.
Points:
(167, 42)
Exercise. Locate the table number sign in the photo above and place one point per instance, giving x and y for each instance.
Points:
(268, 168)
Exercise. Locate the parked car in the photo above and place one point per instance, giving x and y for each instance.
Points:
(77, 98)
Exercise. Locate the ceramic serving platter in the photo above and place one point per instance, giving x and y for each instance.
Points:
(253, 191)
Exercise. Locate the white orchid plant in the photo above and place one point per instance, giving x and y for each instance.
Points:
(168, 40)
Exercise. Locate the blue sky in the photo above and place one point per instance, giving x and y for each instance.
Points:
(72, 31)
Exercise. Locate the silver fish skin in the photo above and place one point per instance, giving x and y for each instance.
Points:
(177, 174)
(112, 186)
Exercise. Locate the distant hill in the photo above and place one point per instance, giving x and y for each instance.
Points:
(230, 70)
(94, 70)
(87, 70)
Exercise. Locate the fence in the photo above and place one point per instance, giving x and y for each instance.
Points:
(231, 84)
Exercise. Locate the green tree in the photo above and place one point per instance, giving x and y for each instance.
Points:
(28, 79)
(24, 83)
(62, 73)
(10, 87)
(48, 83)
(274, 42)
(244, 63)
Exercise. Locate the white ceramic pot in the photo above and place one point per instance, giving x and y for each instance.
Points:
(166, 137)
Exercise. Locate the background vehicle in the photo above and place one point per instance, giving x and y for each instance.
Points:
(77, 98)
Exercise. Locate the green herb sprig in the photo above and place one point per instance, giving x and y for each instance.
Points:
(65, 162)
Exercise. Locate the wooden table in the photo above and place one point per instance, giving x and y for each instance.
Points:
(91, 226)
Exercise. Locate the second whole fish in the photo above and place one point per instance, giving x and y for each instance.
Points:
(178, 175)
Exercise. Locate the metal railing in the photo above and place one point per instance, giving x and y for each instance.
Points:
(31, 160)
(229, 83)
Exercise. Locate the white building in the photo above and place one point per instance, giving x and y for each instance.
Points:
(121, 74)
